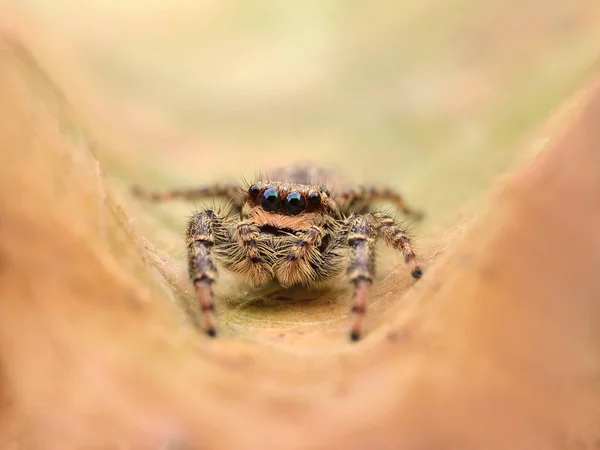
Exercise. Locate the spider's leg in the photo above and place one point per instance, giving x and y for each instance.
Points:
(361, 241)
(395, 236)
(201, 263)
(227, 190)
(364, 195)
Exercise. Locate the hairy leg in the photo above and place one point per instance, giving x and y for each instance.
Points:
(395, 236)
(363, 195)
(361, 241)
(201, 264)
(236, 246)
(228, 190)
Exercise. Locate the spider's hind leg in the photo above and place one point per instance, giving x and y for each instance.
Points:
(362, 196)
(227, 190)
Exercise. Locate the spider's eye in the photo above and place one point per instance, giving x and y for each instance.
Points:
(294, 203)
(253, 191)
(314, 198)
(269, 200)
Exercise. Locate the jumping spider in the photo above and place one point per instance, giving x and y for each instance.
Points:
(289, 228)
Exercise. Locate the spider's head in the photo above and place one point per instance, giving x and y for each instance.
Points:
(288, 205)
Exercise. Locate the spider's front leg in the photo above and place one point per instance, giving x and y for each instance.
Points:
(361, 241)
(362, 235)
(238, 248)
(202, 269)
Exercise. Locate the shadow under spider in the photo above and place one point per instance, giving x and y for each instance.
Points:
(276, 297)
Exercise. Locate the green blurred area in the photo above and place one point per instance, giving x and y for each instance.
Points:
(434, 97)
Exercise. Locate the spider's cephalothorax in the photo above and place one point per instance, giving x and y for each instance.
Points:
(289, 228)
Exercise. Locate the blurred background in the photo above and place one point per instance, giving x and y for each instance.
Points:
(435, 97)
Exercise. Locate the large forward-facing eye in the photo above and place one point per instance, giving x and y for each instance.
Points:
(294, 203)
(269, 200)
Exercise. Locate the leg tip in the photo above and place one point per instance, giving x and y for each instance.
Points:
(211, 332)
(354, 336)
(417, 272)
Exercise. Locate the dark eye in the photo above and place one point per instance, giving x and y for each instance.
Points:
(314, 198)
(253, 191)
(269, 199)
(294, 203)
